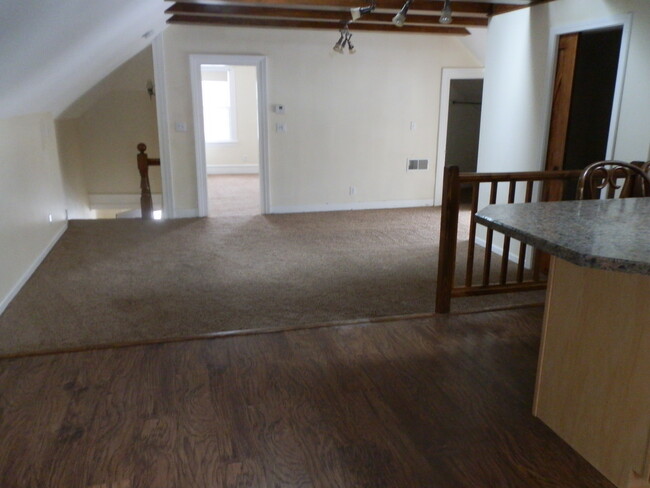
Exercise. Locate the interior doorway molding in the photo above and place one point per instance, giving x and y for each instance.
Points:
(163, 133)
(196, 60)
(448, 74)
(624, 21)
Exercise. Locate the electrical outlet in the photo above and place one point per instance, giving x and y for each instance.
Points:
(180, 127)
(280, 127)
(353, 190)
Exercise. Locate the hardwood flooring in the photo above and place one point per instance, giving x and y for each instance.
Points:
(442, 402)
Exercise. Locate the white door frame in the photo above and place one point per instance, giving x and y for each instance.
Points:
(163, 134)
(196, 60)
(448, 74)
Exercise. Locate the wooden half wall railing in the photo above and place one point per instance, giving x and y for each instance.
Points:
(144, 161)
(521, 187)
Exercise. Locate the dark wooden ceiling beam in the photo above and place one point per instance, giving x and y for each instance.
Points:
(314, 24)
(502, 8)
(310, 14)
(480, 8)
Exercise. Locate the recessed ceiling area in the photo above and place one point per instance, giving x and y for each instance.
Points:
(423, 15)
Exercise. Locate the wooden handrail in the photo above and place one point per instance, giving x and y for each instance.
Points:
(144, 161)
(550, 184)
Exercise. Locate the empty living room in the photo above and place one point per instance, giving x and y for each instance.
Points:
(232, 253)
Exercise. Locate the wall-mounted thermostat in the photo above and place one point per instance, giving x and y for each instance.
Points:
(279, 108)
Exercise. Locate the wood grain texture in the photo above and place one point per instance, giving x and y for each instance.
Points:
(593, 385)
(435, 402)
(341, 15)
(314, 24)
(562, 91)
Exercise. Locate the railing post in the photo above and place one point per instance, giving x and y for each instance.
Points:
(146, 203)
(448, 238)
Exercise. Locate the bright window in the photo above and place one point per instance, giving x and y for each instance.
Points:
(219, 122)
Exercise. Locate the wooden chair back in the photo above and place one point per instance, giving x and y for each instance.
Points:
(613, 179)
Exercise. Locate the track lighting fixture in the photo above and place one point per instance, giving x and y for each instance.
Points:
(348, 39)
(358, 12)
(338, 47)
(445, 13)
(400, 18)
(344, 40)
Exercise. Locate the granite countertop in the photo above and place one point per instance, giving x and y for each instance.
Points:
(605, 234)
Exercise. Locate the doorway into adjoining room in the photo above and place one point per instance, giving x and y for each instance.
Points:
(231, 135)
(586, 98)
(460, 121)
(231, 138)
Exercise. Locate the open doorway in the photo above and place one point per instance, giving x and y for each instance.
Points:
(229, 100)
(231, 139)
(460, 119)
(589, 67)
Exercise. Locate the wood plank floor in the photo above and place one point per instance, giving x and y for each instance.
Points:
(441, 402)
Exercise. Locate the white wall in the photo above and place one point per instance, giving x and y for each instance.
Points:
(348, 116)
(98, 135)
(518, 73)
(30, 190)
(245, 151)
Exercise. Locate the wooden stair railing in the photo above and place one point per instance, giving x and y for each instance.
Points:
(548, 183)
(144, 161)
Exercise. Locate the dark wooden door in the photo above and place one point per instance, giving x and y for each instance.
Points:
(562, 89)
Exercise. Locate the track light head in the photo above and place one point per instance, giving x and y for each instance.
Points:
(358, 12)
(351, 48)
(400, 18)
(338, 47)
(445, 13)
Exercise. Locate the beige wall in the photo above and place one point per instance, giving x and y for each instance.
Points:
(348, 116)
(30, 189)
(72, 167)
(245, 150)
(99, 133)
(518, 83)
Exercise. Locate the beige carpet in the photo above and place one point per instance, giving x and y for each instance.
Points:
(233, 195)
(123, 281)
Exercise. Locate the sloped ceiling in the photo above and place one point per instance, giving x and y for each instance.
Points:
(53, 51)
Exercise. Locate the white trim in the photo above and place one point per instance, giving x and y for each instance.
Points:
(335, 207)
(187, 213)
(196, 60)
(448, 74)
(163, 127)
(111, 201)
(623, 20)
(233, 169)
(4, 303)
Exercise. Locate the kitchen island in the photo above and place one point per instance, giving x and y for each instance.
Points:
(593, 376)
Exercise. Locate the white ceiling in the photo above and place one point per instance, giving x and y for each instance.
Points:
(53, 51)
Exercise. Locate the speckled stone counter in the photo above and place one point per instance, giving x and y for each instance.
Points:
(605, 234)
(592, 383)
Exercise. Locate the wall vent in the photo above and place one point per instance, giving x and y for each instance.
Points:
(417, 164)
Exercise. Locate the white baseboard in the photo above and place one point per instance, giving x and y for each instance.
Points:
(334, 207)
(186, 213)
(4, 303)
(233, 169)
(512, 256)
(111, 201)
